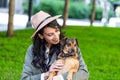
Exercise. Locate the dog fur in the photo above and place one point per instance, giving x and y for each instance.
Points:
(69, 56)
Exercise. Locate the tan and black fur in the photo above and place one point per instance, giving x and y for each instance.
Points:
(69, 56)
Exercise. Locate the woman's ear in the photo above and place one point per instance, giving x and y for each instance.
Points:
(40, 36)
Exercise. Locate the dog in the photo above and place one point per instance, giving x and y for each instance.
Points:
(69, 56)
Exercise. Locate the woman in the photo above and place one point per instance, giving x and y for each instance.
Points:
(41, 55)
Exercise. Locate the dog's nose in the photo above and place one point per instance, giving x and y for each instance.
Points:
(72, 51)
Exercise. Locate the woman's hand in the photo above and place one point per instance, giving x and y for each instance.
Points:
(56, 66)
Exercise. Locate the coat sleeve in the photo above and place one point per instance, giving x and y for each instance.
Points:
(82, 73)
(27, 73)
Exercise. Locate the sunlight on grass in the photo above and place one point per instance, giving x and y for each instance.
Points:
(100, 48)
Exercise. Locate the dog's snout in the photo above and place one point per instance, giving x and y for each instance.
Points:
(72, 51)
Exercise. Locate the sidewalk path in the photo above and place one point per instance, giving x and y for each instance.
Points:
(20, 21)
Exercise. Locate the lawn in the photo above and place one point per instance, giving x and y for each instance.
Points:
(100, 47)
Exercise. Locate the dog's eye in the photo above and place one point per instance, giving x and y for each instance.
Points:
(68, 44)
(75, 44)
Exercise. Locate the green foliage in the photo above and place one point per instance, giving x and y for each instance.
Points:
(99, 47)
(80, 1)
(110, 14)
(25, 6)
(77, 9)
(98, 13)
(114, 0)
(52, 7)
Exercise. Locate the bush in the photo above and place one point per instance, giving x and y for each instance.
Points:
(25, 6)
(98, 13)
(110, 14)
(77, 10)
(52, 7)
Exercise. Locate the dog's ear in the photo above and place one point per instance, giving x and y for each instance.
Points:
(62, 41)
(77, 42)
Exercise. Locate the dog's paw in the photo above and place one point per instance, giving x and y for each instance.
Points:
(49, 79)
(69, 78)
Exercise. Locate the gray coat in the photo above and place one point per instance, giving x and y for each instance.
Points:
(31, 73)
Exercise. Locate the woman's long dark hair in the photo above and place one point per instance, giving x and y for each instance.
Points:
(39, 47)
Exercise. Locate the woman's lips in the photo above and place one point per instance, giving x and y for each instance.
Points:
(55, 40)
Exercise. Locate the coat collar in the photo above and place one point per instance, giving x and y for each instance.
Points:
(54, 57)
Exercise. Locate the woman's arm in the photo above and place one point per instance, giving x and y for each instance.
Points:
(27, 73)
(82, 73)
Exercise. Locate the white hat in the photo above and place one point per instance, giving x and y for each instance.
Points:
(40, 19)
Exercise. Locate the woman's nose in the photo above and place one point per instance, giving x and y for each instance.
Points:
(55, 36)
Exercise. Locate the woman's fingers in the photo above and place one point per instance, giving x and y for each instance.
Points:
(56, 66)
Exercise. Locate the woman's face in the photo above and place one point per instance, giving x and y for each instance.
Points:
(51, 35)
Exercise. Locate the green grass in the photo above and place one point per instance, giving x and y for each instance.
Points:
(100, 47)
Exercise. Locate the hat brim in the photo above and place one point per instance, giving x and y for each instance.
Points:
(45, 23)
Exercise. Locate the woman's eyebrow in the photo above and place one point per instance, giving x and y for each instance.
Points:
(49, 33)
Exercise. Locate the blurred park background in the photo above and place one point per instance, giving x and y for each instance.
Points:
(95, 23)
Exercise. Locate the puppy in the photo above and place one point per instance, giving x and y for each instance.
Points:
(69, 56)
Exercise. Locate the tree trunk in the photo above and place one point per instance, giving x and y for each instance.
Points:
(10, 32)
(93, 12)
(29, 14)
(65, 13)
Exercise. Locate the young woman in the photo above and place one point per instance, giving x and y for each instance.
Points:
(41, 55)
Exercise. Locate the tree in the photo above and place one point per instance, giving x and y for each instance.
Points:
(10, 32)
(65, 13)
(29, 13)
(93, 12)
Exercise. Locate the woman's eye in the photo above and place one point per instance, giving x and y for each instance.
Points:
(57, 30)
(49, 34)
